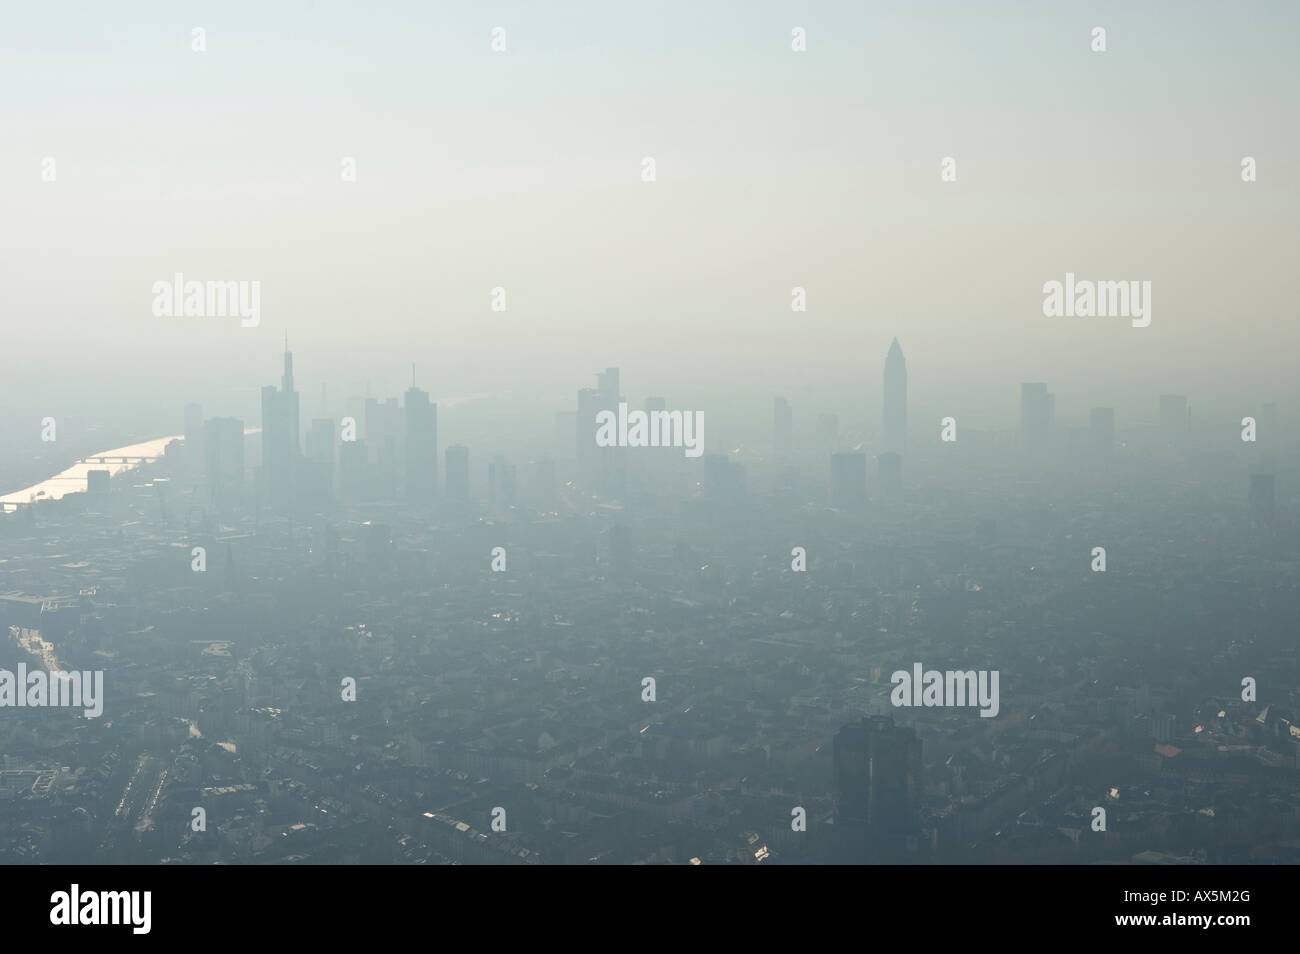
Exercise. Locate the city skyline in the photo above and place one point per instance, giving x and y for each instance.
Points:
(598, 435)
(687, 280)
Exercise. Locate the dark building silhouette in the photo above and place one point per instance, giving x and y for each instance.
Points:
(421, 446)
(895, 405)
(458, 472)
(1037, 414)
(280, 438)
(849, 480)
(598, 467)
(97, 482)
(877, 784)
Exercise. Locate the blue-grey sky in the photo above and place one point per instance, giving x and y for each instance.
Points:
(775, 169)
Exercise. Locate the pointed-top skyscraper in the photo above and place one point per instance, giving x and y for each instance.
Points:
(895, 415)
(421, 444)
(280, 436)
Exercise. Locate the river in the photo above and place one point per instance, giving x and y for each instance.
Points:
(73, 480)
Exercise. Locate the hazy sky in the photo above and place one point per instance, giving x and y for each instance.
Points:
(775, 169)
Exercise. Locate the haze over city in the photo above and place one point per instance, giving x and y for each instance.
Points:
(743, 434)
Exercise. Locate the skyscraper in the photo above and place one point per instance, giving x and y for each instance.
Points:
(607, 381)
(1037, 412)
(421, 419)
(877, 782)
(280, 437)
(895, 414)
(598, 466)
(782, 427)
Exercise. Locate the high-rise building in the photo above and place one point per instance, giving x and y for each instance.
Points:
(383, 422)
(458, 472)
(97, 482)
(599, 467)
(1175, 420)
(877, 784)
(782, 427)
(421, 446)
(280, 437)
(1037, 413)
(895, 406)
(1102, 429)
(848, 480)
(607, 381)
